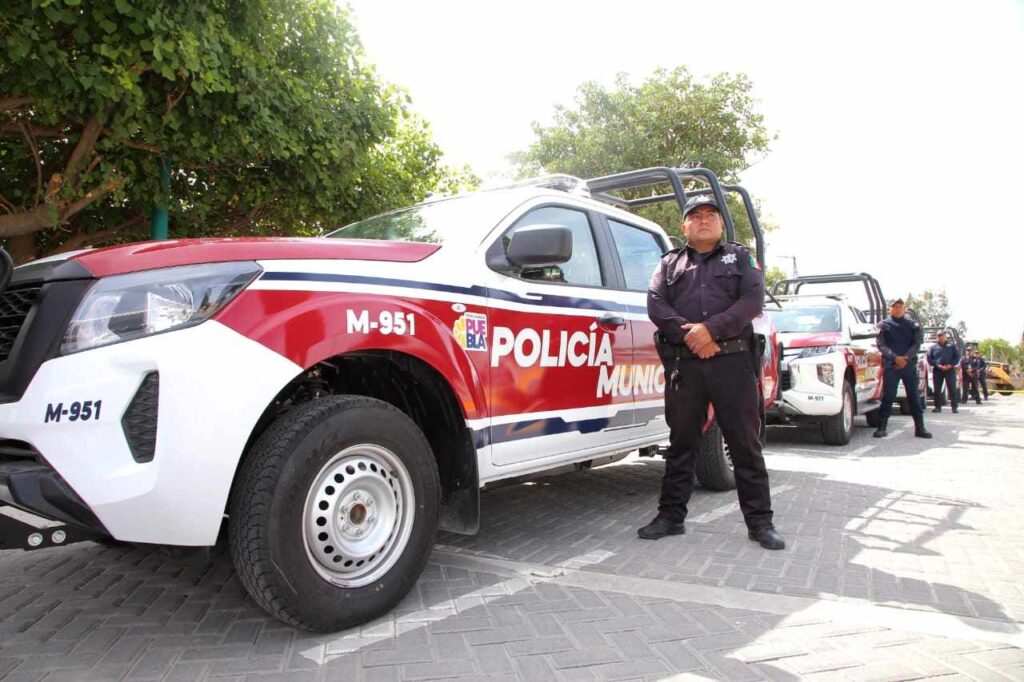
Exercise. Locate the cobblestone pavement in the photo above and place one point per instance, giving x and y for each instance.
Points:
(904, 561)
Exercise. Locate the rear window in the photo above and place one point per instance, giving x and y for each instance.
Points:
(807, 319)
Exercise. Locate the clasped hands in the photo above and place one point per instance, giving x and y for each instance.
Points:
(699, 340)
(900, 361)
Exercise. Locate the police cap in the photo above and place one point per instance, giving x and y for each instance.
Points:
(701, 200)
(896, 301)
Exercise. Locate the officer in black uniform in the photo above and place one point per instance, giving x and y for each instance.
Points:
(981, 367)
(898, 341)
(703, 299)
(974, 369)
(967, 376)
(944, 357)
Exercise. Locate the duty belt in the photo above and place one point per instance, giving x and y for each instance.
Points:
(727, 347)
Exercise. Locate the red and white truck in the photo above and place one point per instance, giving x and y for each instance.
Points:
(327, 404)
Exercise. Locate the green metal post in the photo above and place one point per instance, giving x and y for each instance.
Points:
(160, 217)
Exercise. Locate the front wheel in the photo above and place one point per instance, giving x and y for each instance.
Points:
(334, 513)
(838, 429)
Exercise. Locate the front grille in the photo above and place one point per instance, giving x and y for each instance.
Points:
(139, 421)
(15, 305)
(786, 379)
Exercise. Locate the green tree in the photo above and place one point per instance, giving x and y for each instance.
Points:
(773, 275)
(669, 119)
(932, 308)
(265, 110)
(1001, 350)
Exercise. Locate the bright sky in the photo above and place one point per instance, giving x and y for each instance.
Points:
(882, 109)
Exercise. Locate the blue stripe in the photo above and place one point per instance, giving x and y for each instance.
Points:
(534, 428)
(483, 292)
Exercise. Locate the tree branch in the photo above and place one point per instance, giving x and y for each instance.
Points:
(52, 213)
(46, 131)
(144, 146)
(27, 132)
(83, 239)
(83, 149)
(9, 103)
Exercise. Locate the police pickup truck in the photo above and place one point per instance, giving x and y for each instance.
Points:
(831, 367)
(328, 404)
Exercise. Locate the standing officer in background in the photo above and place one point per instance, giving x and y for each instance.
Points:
(981, 371)
(898, 341)
(703, 298)
(966, 375)
(972, 381)
(945, 361)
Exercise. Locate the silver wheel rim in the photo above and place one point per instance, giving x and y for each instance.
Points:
(358, 515)
(847, 412)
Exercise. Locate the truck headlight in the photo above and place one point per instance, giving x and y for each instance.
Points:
(811, 351)
(125, 307)
(826, 374)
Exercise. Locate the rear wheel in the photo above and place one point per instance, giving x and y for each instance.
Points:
(334, 513)
(838, 429)
(714, 464)
(874, 418)
(905, 406)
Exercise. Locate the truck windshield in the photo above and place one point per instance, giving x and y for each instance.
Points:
(807, 319)
(435, 223)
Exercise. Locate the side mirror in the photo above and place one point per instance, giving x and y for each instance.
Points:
(676, 241)
(863, 330)
(6, 270)
(539, 246)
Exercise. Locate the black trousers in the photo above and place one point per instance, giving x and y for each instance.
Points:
(730, 383)
(949, 378)
(983, 380)
(891, 379)
(971, 389)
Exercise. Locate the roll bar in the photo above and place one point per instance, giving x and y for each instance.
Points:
(876, 301)
(647, 177)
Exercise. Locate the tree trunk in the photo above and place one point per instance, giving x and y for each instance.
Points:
(22, 247)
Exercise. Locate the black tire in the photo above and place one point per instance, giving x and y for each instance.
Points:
(874, 418)
(905, 406)
(838, 429)
(294, 467)
(713, 465)
(1005, 392)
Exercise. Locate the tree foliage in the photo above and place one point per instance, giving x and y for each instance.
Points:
(1002, 350)
(932, 307)
(774, 275)
(268, 116)
(669, 119)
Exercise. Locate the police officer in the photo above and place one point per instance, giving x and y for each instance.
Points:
(944, 357)
(898, 341)
(981, 371)
(703, 299)
(966, 375)
(974, 368)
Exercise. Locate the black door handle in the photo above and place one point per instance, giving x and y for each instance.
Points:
(611, 321)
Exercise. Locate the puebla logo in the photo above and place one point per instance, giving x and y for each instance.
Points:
(470, 331)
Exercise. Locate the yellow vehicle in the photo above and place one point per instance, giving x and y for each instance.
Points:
(999, 378)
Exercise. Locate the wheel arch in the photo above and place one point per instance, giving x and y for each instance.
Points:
(417, 388)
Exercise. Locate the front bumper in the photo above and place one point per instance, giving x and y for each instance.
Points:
(214, 384)
(804, 394)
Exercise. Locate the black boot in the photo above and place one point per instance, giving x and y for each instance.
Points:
(919, 430)
(880, 432)
(660, 527)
